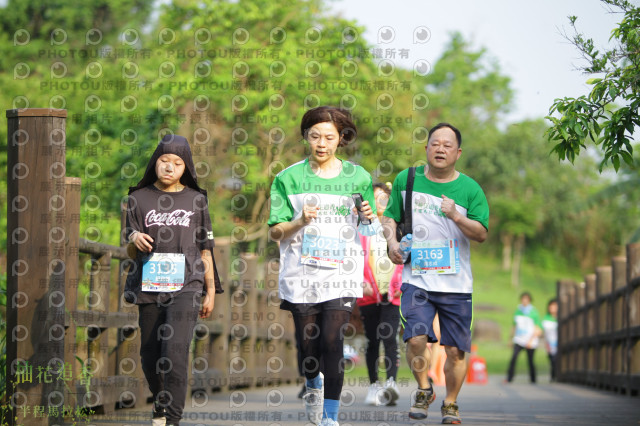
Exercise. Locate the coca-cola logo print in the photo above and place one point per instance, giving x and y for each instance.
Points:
(176, 217)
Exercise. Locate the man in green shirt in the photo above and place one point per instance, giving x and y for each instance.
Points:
(448, 210)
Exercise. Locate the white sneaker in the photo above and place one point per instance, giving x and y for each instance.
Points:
(159, 421)
(390, 392)
(329, 422)
(313, 403)
(373, 394)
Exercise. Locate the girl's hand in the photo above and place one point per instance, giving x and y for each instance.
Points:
(142, 241)
(208, 303)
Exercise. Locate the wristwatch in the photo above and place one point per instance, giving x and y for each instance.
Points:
(131, 236)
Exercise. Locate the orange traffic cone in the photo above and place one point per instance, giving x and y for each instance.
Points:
(477, 370)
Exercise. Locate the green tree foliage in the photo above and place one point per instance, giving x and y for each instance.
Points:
(608, 116)
(235, 77)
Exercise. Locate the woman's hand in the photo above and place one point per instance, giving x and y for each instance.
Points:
(367, 210)
(309, 213)
(368, 289)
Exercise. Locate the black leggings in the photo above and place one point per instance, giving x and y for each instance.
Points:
(512, 365)
(381, 322)
(166, 331)
(552, 362)
(322, 336)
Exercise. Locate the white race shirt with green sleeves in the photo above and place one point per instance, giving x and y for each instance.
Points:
(431, 224)
(305, 281)
(525, 321)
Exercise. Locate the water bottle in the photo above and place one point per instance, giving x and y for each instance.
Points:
(405, 246)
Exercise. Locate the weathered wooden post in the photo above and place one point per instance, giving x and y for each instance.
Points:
(632, 355)
(72, 277)
(36, 268)
(603, 297)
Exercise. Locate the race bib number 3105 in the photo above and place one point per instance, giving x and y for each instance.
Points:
(163, 272)
(435, 257)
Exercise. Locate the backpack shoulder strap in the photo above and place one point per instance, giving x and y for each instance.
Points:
(408, 216)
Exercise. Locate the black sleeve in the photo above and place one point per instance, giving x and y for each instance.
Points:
(205, 238)
(134, 219)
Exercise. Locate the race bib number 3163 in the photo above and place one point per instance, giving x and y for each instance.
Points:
(163, 272)
(435, 257)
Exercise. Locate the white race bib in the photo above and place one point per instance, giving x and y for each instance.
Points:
(322, 250)
(434, 257)
(163, 272)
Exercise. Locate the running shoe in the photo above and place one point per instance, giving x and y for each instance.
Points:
(391, 392)
(421, 401)
(313, 403)
(329, 422)
(450, 414)
(372, 394)
(158, 415)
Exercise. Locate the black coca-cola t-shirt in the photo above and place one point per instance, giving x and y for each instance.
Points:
(178, 222)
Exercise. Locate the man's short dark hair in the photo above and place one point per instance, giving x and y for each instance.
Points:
(455, 130)
(341, 118)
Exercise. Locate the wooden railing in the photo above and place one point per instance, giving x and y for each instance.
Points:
(599, 326)
(84, 352)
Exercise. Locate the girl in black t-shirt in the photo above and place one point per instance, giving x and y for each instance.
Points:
(173, 276)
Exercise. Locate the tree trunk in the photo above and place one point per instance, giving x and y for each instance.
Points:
(517, 259)
(507, 243)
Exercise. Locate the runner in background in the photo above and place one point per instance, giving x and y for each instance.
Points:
(380, 310)
(550, 327)
(314, 218)
(527, 330)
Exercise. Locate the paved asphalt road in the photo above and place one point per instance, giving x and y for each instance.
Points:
(518, 403)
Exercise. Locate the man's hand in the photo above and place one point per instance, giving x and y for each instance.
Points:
(472, 229)
(208, 303)
(448, 207)
(395, 254)
(389, 232)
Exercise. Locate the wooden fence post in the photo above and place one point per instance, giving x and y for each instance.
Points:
(72, 262)
(127, 355)
(599, 326)
(603, 323)
(632, 354)
(35, 262)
